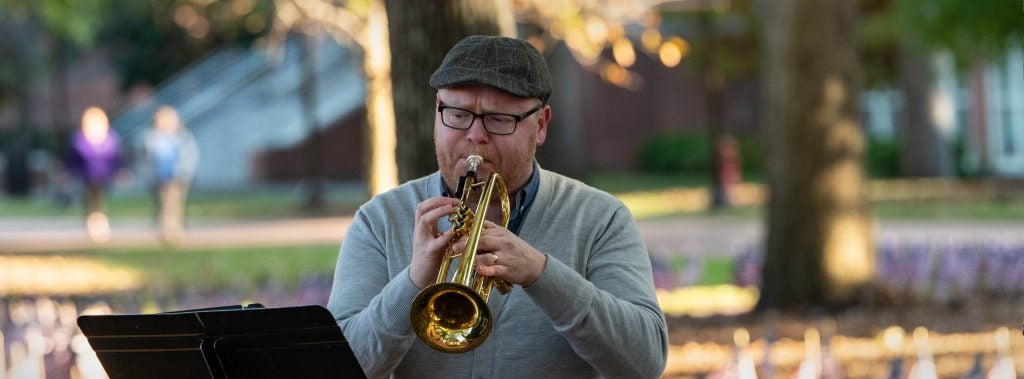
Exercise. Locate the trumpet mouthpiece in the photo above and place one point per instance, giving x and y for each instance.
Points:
(474, 161)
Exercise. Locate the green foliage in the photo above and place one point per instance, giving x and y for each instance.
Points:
(148, 38)
(689, 153)
(152, 40)
(43, 139)
(880, 32)
(883, 158)
(968, 28)
(732, 52)
(717, 270)
(675, 151)
(889, 26)
(960, 166)
(620, 182)
(750, 154)
(75, 21)
(169, 271)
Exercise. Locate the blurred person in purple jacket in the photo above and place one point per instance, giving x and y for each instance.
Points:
(95, 159)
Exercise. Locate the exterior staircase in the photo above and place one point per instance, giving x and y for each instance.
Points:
(242, 101)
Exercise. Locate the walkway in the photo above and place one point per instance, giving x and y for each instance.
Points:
(687, 234)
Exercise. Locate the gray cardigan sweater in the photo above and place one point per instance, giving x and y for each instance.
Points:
(592, 312)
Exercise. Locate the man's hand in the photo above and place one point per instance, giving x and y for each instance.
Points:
(503, 254)
(427, 243)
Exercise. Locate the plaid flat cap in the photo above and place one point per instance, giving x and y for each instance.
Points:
(508, 64)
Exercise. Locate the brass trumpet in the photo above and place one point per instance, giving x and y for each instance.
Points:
(452, 316)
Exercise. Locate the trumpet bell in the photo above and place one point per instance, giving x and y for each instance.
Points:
(450, 317)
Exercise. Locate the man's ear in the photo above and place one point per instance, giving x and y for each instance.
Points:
(542, 124)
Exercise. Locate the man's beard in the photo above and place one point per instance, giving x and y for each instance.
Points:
(515, 174)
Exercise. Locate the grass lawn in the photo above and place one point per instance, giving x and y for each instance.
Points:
(717, 270)
(201, 204)
(225, 268)
(155, 273)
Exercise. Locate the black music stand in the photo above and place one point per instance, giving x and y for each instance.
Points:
(224, 342)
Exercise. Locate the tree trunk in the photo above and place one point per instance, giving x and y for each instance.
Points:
(819, 249)
(60, 95)
(21, 67)
(19, 182)
(712, 83)
(314, 151)
(979, 117)
(925, 152)
(563, 150)
(422, 32)
(381, 170)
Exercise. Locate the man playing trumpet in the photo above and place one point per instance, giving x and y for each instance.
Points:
(582, 302)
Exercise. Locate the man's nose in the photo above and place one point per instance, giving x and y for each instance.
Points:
(477, 132)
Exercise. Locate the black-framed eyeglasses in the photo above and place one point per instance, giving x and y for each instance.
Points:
(494, 123)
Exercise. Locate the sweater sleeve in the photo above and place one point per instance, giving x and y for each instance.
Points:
(371, 308)
(610, 316)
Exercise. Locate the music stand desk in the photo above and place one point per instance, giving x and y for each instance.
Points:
(226, 342)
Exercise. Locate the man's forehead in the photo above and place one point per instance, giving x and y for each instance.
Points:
(475, 92)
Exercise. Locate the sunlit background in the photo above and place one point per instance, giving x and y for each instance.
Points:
(891, 131)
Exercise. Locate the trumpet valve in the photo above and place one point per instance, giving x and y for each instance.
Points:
(462, 221)
(458, 216)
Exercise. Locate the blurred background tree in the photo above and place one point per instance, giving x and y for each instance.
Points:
(719, 60)
(63, 26)
(902, 40)
(396, 93)
(421, 34)
(819, 242)
(819, 247)
(150, 41)
(606, 39)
